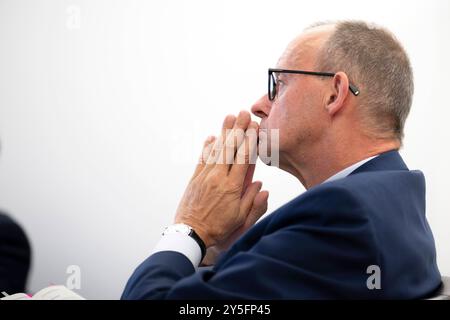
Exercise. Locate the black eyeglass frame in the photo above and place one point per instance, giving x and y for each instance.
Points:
(271, 94)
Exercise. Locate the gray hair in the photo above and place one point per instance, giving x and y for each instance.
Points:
(378, 65)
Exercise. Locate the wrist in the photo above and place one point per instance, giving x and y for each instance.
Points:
(188, 230)
(199, 230)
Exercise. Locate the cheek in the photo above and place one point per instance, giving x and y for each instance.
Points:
(273, 120)
(281, 124)
(298, 122)
(297, 117)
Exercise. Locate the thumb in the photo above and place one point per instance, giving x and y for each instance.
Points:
(259, 207)
(248, 198)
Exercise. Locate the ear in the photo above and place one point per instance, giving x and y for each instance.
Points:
(338, 93)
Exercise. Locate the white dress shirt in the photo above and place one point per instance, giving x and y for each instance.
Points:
(343, 173)
(188, 247)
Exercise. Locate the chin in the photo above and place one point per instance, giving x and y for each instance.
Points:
(268, 147)
(267, 157)
(265, 160)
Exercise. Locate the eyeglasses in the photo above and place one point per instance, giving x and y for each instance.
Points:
(272, 90)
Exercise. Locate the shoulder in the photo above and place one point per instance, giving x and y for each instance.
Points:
(328, 196)
(346, 201)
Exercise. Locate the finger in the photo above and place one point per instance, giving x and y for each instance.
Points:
(234, 138)
(248, 178)
(228, 124)
(246, 154)
(258, 209)
(243, 120)
(248, 198)
(206, 151)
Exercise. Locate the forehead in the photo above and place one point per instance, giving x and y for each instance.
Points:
(302, 50)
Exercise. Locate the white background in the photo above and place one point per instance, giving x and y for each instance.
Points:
(103, 117)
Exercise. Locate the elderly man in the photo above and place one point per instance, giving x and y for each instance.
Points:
(339, 97)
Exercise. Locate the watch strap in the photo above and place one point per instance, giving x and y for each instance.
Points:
(199, 240)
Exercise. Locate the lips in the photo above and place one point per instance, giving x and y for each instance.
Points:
(262, 135)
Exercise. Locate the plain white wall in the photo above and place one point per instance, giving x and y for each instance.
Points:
(104, 106)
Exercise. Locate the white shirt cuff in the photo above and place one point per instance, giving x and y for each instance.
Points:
(180, 243)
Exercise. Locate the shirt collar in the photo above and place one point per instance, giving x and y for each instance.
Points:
(343, 173)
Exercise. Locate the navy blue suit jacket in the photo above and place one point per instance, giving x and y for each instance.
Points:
(317, 246)
(15, 256)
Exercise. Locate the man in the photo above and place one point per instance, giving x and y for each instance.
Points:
(359, 231)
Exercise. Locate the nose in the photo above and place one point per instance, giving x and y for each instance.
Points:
(261, 108)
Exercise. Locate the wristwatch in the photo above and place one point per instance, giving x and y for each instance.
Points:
(187, 230)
